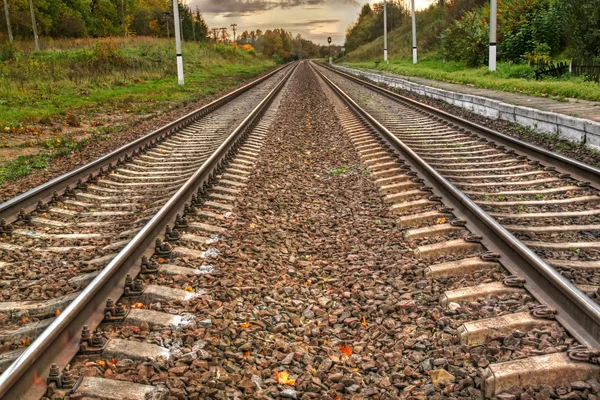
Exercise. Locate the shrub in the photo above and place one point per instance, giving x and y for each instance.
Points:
(467, 40)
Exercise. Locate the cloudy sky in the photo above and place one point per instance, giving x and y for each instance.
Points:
(313, 19)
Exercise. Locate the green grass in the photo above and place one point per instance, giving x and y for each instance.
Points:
(138, 76)
(518, 78)
(22, 166)
(98, 88)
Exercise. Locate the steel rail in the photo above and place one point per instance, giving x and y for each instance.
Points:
(577, 169)
(27, 201)
(579, 314)
(26, 377)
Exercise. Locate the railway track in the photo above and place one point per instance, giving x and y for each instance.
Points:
(292, 264)
(451, 190)
(53, 250)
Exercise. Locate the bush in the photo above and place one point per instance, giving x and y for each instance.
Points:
(467, 40)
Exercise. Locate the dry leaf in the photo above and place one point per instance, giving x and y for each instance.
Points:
(283, 377)
(245, 325)
(364, 322)
(24, 319)
(189, 289)
(252, 225)
(25, 342)
(57, 313)
(337, 397)
(114, 361)
(138, 305)
(344, 348)
(440, 221)
(161, 260)
(102, 363)
(247, 354)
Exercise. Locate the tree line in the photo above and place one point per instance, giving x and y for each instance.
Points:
(528, 30)
(99, 18)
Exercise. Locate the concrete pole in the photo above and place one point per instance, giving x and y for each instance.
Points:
(414, 31)
(493, 18)
(385, 58)
(10, 36)
(35, 35)
(178, 42)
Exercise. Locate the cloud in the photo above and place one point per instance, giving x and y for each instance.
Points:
(316, 22)
(232, 8)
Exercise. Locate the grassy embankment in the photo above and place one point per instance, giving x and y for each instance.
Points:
(516, 78)
(77, 91)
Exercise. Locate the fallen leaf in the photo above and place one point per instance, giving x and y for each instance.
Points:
(364, 322)
(57, 313)
(114, 361)
(283, 377)
(102, 363)
(440, 221)
(247, 354)
(344, 348)
(24, 319)
(161, 260)
(245, 325)
(189, 289)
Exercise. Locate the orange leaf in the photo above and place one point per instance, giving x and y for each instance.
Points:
(245, 325)
(161, 260)
(189, 289)
(364, 322)
(440, 221)
(24, 319)
(247, 354)
(346, 350)
(114, 361)
(337, 397)
(102, 363)
(57, 313)
(283, 377)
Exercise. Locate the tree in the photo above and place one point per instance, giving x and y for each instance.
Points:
(582, 27)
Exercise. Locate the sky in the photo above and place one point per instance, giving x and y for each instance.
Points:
(313, 19)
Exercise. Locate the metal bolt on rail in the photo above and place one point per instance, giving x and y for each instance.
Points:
(172, 235)
(162, 249)
(133, 287)
(149, 267)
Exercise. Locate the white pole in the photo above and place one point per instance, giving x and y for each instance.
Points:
(414, 31)
(6, 13)
(493, 17)
(385, 58)
(178, 43)
(35, 35)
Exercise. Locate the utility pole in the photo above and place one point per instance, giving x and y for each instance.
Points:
(223, 31)
(233, 28)
(414, 31)
(193, 28)
(493, 18)
(215, 33)
(329, 41)
(385, 58)
(181, 28)
(35, 35)
(123, 18)
(178, 43)
(10, 36)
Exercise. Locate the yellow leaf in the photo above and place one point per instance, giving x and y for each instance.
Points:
(440, 221)
(247, 354)
(245, 325)
(252, 225)
(283, 377)
(102, 363)
(364, 322)
(189, 289)
(57, 313)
